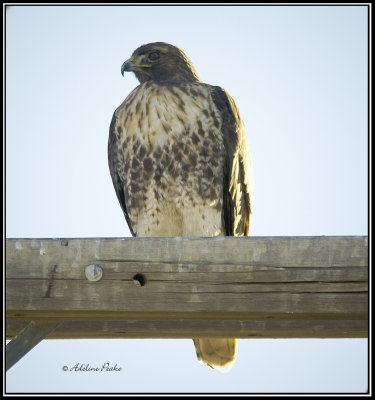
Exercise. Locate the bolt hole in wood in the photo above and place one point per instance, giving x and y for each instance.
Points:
(139, 280)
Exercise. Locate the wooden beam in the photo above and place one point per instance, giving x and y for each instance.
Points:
(33, 333)
(242, 328)
(190, 287)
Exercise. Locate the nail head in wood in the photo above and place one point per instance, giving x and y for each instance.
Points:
(94, 272)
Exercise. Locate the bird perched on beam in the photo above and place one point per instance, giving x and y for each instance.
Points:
(179, 161)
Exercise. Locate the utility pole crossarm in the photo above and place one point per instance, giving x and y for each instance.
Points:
(189, 287)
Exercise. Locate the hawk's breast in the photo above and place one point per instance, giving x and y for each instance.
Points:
(172, 154)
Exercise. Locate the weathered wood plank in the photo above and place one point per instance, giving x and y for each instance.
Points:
(260, 327)
(308, 279)
(33, 333)
(189, 253)
(112, 296)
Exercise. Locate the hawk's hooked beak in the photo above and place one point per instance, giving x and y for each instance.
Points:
(129, 66)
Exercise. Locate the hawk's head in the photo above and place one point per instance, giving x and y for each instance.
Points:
(160, 62)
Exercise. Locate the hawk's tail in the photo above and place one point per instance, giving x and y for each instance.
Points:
(216, 353)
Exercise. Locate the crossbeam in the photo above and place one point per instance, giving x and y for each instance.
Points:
(280, 287)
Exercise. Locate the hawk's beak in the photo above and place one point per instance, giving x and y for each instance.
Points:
(127, 66)
(130, 66)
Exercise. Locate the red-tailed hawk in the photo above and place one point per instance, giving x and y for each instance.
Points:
(180, 162)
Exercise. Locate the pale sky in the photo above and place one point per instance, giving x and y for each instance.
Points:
(299, 77)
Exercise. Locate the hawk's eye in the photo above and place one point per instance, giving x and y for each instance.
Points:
(153, 56)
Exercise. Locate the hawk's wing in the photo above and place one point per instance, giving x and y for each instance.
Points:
(115, 161)
(238, 174)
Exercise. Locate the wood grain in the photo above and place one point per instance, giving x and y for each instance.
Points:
(224, 286)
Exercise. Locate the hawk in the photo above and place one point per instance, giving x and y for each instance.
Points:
(179, 161)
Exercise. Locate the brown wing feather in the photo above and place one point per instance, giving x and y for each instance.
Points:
(115, 160)
(238, 179)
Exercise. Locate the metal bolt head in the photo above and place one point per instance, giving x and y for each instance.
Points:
(93, 272)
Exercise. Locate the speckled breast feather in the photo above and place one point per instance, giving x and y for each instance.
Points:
(171, 158)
